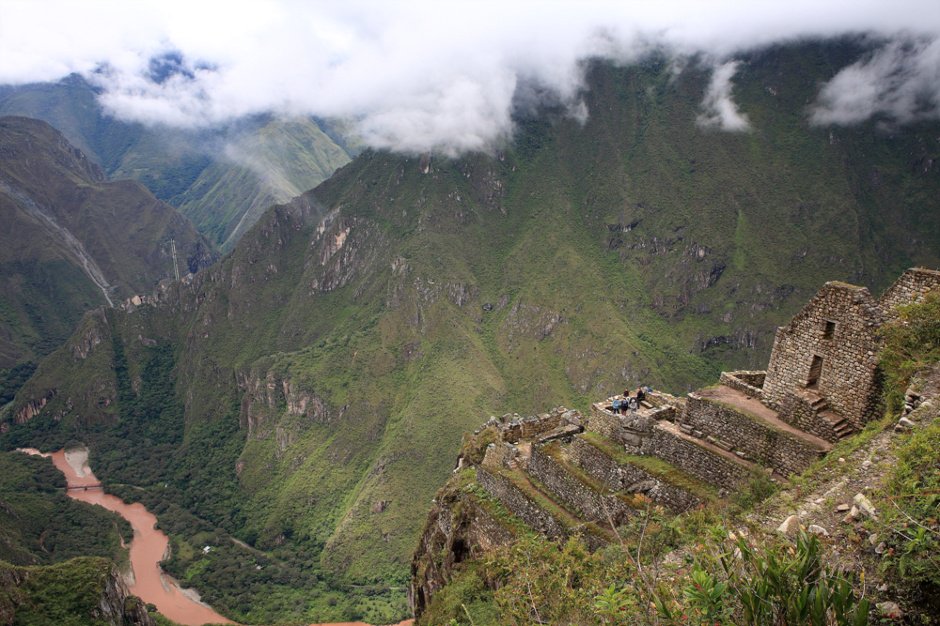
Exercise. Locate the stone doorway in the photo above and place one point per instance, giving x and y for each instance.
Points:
(815, 369)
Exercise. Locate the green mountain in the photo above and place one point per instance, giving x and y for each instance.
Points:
(85, 591)
(268, 162)
(307, 394)
(72, 242)
(222, 178)
(40, 525)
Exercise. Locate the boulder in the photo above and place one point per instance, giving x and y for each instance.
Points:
(818, 530)
(865, 506)
(890, 610)
(790, 526)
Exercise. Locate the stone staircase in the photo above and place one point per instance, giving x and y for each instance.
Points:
(820, 406)
(840, 425)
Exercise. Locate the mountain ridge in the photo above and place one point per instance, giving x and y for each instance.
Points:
(221, 178)
(74, 241)
(326, 368)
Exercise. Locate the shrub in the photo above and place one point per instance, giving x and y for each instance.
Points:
(911, 344)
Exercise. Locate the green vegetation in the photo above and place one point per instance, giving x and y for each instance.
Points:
(910, 520)
(70, 593)
(540, 581)
(40, 525)
(911, 345)
(724, 579)
(12, 379)
(772, 584)
(912, 512)
(308, 393)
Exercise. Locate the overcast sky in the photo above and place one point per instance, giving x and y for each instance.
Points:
(440, 75)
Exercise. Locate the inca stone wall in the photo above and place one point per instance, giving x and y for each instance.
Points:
(660, 398)
(748, 383)
(499, 454)
(784, 452)
(629, 478)
(518, 503)
(629, 429)
(482, 530)
(579, 496)
(912, 286)
(835, 335)
(513, 428)
(694, 459)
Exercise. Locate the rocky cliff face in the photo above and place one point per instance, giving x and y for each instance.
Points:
(460, 526)
(89, 590)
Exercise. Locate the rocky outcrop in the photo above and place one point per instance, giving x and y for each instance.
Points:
(32, 408)
(267, 397)
(101, 598)
(461, 524)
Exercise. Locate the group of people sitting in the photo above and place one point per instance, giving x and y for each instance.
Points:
(628, 402)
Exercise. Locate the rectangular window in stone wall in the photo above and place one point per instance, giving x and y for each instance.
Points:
(828, 329)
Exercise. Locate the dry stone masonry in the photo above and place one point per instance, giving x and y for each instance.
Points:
(562, 473)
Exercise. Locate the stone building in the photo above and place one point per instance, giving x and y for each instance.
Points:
(565, 474)
(826, 358)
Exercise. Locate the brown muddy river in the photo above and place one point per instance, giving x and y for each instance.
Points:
(149, 582)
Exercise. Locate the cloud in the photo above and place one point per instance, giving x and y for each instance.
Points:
(900, 81)
(718, 108)
(416, 75)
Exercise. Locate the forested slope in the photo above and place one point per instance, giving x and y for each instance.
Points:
(317, 381)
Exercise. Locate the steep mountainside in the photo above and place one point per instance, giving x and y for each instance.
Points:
(79, 592)
(72, 241)
(41, 525)
(222, 178)
(326, 369)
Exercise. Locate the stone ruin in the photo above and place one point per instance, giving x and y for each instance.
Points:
(563, 473)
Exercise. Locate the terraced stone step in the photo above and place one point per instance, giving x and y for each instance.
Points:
(842, 427)
(661, 482)
(817, 402)
(733, 421)
(529, 500)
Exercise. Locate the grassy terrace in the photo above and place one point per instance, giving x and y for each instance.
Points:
(654, 466)
(537, 492)
(479, 497)
(555, 451)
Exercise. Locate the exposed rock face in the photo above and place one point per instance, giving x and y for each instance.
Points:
(266, 397)
(458, 527)
(32, 408)
(102, 596)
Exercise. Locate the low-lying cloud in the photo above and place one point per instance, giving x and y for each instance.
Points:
(418, 75)
(718, 109)
(900, 82)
